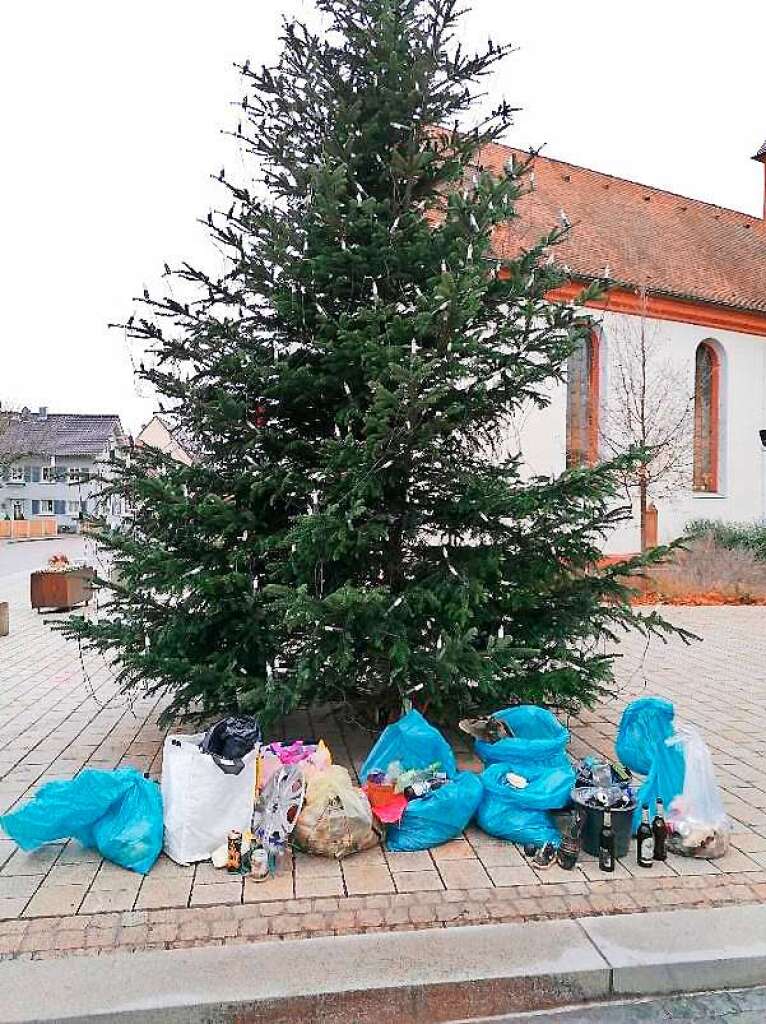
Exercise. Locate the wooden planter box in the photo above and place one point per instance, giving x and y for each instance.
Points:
(61, 590)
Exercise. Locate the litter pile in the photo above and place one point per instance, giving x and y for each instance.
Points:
(414, 763)
(528, 775)
(228, 797)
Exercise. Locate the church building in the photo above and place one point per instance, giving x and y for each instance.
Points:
(678, 354)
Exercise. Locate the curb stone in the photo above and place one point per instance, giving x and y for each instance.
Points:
(422, 977)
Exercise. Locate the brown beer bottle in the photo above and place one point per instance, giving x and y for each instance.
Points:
(606, 844)
(660, 833)
(645, 840)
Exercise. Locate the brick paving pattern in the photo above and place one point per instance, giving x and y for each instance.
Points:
(59, 713)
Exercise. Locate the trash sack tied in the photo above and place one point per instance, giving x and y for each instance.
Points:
(645, 722)
(119, 813)
(232, 738)
(336, 819)
(698, 822)
(412, 741)
(538, 744)
(522, 815)
(641, 746)
(438, 817)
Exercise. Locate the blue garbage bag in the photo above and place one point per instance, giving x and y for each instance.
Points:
(118, 812)
(438, 817)
(665, 780)
(644, 722)
(537, 746)
(521, 815)
(645, 725)
(413, 742)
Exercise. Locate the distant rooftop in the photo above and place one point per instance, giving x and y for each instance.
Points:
(59, 433)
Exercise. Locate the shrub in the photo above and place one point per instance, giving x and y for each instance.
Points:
(736, 536)
(708, 571)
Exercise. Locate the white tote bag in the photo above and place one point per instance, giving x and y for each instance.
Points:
(203, 798)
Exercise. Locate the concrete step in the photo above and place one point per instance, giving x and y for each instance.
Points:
(422, 977)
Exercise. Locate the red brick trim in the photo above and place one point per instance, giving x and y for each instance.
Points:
(623, 300)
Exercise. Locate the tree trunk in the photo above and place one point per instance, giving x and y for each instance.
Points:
(642, 501)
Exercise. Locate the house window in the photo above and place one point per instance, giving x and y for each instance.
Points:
(48, 474)
(17, 509)
(46, 507)
(73, 508)
(707, 388)
(583, 398)
(78, 475)
(16, 475)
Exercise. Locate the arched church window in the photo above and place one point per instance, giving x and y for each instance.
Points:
(583, 398)
(707, 385)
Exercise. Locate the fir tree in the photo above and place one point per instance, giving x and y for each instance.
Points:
(353, 531)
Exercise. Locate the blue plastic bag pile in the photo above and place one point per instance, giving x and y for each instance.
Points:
(440, 816)
(537, 751)
(119, 813)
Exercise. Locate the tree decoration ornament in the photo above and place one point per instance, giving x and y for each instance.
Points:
(322, 556)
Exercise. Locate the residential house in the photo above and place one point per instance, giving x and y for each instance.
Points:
(51, 464)
(163, 433)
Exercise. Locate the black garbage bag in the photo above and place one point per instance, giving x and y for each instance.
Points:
(232, 737)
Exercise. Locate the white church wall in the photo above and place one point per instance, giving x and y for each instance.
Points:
(541, 434)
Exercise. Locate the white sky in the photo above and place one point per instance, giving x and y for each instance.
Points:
(111, 117)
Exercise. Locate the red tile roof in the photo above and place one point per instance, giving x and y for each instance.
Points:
(669, 244)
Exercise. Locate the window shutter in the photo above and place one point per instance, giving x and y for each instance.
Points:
(61, 473)
(59, 507)
(35, 474)
(27, 474)
(35, 507)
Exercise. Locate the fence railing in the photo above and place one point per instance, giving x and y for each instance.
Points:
(24, 529)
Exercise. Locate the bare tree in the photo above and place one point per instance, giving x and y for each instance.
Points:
(10, 449)
(650, 406)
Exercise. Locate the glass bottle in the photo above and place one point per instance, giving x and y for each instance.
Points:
(645, 840)
(660, 833)
(606, 844)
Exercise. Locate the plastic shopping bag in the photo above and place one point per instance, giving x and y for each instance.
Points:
(697, 819)
(204, 797)
(414, 743)
(538, 744)
(336, 819)
(521, 815)
(118, 812)
(437, 817)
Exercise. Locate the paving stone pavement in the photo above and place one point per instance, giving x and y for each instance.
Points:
(60, 711)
